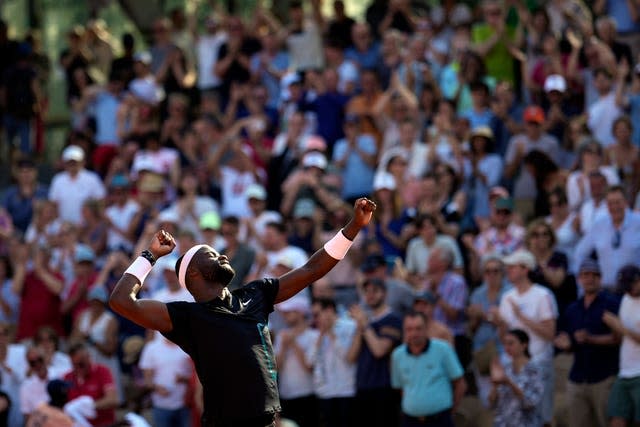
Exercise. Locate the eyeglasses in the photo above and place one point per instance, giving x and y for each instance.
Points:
(617, 239)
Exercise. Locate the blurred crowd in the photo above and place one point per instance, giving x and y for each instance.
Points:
(498, 283)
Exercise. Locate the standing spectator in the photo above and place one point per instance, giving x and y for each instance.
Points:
(58, 363)
(429, 375)
(119, 213)
(13, 370)
(450, 290)
(552, 266)
(590, 159)
(623, 406)
(425, 302)
(595, 208)
(564, 223)
(123, 65)
(623, 155)
(334, 375)
(241, 255)
(9, 298)
(292, 348)
(94, 381)
(98, 328)
(604, 111)
(483, 304)
(532, 308)
(379, 331)
(399, 294)
(594, 347)
(340, 27)
(19, 199)
(40, 296)
(75, 57)
(22, 99)
(304, 36)
(613, 238)
(517, 387)
(269, 66)
(355, 156)
(33, 391)
(628, 97)
(492, 40)
(420, 248)
(533, 138)
(254, 225)
(503, 236)
(364, 50)
(74, 299)
(71, 187)
(167, 371)
(207, 51)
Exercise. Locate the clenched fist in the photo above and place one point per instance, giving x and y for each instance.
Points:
(162, 244)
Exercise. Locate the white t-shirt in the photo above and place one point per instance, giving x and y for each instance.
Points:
(121, 217)
(207, 49)
(293, 254)
(70, 193)
(160, 162)
(167, 361)
(294, 380)
(538, 304)
(234, 185)
(33, 392)
(601, 116)
(259, 224)
(630, 350)
(305, 48)
(166, 295)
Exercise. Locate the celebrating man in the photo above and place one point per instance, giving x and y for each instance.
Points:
(225, 332)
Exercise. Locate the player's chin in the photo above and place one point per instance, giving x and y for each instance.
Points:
(227, 273)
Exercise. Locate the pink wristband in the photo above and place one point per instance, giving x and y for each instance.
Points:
(338, 246)
(140, 268)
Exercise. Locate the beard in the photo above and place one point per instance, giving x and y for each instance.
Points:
(224, 273)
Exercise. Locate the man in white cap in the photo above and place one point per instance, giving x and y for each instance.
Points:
(74, 185)
(532, 308)
(226, 333)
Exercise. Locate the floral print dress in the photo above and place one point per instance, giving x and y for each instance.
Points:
(510, 410)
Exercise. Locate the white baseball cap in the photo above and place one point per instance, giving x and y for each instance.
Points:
(521, 257)
(73, 153)
(555, 82)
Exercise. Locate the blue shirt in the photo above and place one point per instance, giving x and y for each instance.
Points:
(329, 109)
(634, 113)
(615, 248)
(619, 11)
(20, 208)
(592, 363)
(106, 111)
(280, 62)
(374, 373)
(357, 175)
(425, 379)
(486, 331)
(481, 118)
(368, 59)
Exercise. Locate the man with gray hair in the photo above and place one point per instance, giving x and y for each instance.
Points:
(451, 293)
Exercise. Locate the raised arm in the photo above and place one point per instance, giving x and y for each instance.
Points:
(144, 312)
(326, 258)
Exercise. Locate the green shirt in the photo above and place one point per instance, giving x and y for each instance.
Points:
(498, 60)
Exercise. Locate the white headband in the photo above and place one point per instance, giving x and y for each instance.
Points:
(186, 259)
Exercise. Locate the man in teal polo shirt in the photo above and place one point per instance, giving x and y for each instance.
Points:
(428, 373)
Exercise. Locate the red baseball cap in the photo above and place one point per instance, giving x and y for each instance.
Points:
(534, 114)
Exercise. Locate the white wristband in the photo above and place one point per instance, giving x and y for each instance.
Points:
(338, 246)
(140, 268)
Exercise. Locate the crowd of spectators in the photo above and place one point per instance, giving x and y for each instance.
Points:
(499, 140)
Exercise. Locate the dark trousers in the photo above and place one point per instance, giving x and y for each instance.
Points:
(441, 419)
(377, 408)
(336, 412)
(303, 410)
